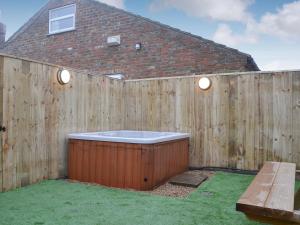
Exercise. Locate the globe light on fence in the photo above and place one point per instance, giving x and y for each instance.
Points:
(204, 83)
(63, 76)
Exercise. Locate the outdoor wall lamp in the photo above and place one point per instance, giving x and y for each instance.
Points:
(204, 83)
(63, 76)
(138, 46)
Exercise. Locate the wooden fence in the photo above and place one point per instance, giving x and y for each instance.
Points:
(240, 122)
(38, 113)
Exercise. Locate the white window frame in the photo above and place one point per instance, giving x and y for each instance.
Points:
(73, 15)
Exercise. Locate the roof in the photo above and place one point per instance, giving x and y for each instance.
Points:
(32, 19)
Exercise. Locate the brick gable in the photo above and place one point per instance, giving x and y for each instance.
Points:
(165, 51)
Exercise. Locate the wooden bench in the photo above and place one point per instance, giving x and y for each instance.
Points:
(270, 196)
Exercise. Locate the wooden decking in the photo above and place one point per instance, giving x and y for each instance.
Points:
(271, 194)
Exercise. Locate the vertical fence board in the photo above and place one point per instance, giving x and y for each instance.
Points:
(1, 120)
(265, 120)
(9, 138)
(233, 121)
(197, 151)
(282, 109)
(296, 119)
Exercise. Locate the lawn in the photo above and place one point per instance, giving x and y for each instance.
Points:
(61, 202)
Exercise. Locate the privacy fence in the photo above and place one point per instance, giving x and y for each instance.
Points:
(240, 122)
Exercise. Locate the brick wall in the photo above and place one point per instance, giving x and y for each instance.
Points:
(165, 51)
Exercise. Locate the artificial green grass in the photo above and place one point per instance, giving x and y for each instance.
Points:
(61, 202)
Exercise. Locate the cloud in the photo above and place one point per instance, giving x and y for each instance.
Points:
(285, 23)
(224, 11)
(229, 10)
(116, 3)
(224, 34)
(281, 64)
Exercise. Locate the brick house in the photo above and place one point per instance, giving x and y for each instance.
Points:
(92, 36)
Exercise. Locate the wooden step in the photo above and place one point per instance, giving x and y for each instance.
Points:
(271, 193)
(189, 179)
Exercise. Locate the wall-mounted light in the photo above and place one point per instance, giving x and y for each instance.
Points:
(204, 83)
(63, 76)
(117, 76)
(114, 40)
(138, 46)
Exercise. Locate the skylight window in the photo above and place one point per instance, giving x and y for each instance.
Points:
(62, 19)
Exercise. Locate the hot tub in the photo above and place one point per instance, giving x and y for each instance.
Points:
(138, 160)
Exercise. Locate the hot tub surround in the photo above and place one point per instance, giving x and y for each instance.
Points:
(128, 165)
(130, 136)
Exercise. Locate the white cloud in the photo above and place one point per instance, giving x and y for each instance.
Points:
(285, 23)
(225, 11)
(281, 64)
(225, 35)
(229, 10)
(282, 24)
(116, 3)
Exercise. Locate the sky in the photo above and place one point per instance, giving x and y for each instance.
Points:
(269, 30)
